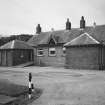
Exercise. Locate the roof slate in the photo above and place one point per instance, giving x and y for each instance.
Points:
(64, 36)
(83, 39)
(16, 44)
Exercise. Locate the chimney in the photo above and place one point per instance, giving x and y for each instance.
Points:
(82, 23)
(38, 29)
(52, 29)
(94, 24)
(68, 24)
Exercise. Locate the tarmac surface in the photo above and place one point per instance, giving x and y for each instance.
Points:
(61, 86)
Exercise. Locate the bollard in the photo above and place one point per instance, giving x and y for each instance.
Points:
(30, 88)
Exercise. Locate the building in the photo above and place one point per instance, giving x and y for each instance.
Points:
(85, 52)
(15, 52)
(49, 49)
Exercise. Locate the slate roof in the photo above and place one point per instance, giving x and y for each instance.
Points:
(16, 44)
(61, 36)
(6, 99)
(83, 39)
(64, 36)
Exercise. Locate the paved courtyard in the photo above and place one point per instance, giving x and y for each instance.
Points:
(61, 86)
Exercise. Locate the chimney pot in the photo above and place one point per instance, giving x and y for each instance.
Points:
(82, 22)
(38, 29)
(68, 24)
(94, 24)
(52, 29)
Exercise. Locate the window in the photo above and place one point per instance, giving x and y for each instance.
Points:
(51, 42)
(39, 52)
(52, 52)
(64, 51)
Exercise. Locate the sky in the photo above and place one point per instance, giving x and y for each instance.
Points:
(22, 16)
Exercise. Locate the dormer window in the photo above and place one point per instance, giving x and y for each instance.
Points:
(52, 40)
(52, 52)
(40, 52)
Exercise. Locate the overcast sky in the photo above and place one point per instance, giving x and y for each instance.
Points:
(22, 16)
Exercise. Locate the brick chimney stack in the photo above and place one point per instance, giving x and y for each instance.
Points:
(68, 24)
(94, 24)
(38, 29)
(82, 22)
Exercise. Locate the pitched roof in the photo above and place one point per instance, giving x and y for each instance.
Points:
(16, 44)
(61, 36)
(83, 39)
(64, 36)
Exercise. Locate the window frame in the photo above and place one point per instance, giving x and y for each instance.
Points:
(52, 49)
(40, 50)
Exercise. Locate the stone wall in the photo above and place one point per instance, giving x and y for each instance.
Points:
(21, 56)
(82, 57)
(46, 60)
(5, 58)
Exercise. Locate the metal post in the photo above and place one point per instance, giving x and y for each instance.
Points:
(30, 89)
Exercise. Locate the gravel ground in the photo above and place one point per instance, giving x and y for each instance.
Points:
(61, 86)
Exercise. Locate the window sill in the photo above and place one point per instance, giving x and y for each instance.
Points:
(40, 55)
(52, 55)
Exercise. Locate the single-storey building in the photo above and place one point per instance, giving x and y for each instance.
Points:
(49, 49)
(85, 52)
(15, 52)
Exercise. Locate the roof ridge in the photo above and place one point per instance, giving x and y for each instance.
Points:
(95, 35)
(92, 38)
(80, 36)
(12, 44)
(16, 44)
(71, 29)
